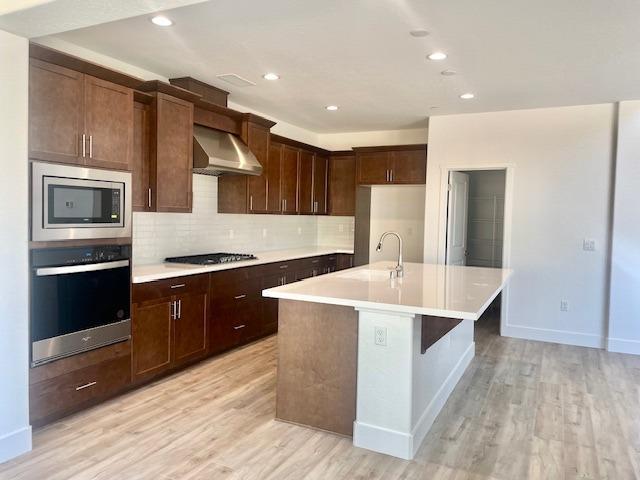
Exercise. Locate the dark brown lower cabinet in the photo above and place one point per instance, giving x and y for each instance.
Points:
(190, 328)
(151, 333)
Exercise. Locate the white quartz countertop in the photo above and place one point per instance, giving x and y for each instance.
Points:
(426, 289)
(160, 271)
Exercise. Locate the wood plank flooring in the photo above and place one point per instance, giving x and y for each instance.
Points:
(523, 410)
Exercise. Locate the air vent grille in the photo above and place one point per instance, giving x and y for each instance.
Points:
(236, 80)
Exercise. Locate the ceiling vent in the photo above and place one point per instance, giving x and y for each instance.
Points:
(236, 80)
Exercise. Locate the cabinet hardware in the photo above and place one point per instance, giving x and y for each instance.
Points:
(284, 266)
(178, 285)
(238, 327)
(84, 145)
(250, 202)
(315, 261)
(86, 385)
(173, 310)
(179, 314)
(283, 206)
(149, 199)
(90, 146)
(391, 175)
(238, 297)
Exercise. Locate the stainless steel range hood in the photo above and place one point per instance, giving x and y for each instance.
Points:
(217, 153)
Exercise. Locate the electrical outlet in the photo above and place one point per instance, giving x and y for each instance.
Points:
(564, 306)
(381, 336)
(589, 245)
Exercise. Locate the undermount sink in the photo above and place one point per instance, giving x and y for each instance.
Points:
(367, 275)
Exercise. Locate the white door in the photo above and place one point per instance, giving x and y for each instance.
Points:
(458, 201)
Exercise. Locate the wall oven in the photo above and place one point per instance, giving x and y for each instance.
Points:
(80, 300)
(70, 203)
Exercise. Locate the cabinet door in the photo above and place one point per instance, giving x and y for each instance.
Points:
(408, 166)
(342, 185)
(274, 168)
(258, 142)
(55, 113)
(173, 145)
(190, 328)
(108, 124)
(373, 168)
(320, 170)
(289, 179)
(151, 338)
(141, 193)
(305, 182)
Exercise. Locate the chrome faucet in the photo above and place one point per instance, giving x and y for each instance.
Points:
(400, 266)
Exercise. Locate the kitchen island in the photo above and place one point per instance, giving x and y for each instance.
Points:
(366, 354)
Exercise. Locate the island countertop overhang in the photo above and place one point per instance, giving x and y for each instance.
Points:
(426, 289)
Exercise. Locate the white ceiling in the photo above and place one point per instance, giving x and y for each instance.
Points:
(358, 54)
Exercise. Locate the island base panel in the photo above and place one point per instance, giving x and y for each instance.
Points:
(317, 365)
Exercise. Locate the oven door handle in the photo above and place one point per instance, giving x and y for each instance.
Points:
(91, 267)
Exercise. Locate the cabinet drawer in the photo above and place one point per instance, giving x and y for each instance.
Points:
(143, 292)
(232, 293)
(63, 394)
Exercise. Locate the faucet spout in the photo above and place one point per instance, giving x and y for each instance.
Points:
(400, 265)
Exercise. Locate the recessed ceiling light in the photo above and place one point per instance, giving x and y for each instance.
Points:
(331, 108)
(467, 96)
(448, 73)
(437, 56)
(271, 76)
(420, 32)
(161, 21)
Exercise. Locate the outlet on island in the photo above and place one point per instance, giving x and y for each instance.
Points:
(381, 336)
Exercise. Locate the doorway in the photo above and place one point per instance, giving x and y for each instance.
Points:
(475, 218)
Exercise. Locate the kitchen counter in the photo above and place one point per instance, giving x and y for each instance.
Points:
(375, 357)
(160, 271)
(426, 289)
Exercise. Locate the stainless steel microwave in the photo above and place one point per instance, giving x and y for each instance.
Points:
(69, 203)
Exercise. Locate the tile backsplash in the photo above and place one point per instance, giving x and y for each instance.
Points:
(160, 235)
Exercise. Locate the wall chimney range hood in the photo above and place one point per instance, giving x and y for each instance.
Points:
(216, 153)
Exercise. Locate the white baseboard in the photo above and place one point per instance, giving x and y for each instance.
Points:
(404, 445)
(15, 443)
(564, 337)
(382, 440)
(435, 406)
(622, 345)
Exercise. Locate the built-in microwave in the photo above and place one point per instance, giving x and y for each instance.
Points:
(69, 203)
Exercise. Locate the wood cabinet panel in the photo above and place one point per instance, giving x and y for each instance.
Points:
(151, 336)
(141, 193)
(342, 185)
(305, 182)
(56, 113)
(108, 124)
(289, 179)
(274, 170)
(373, 168)
(344, 261)
(190, 328)
(320, 172)
(172, 154)
(258, 142)
(408, 166)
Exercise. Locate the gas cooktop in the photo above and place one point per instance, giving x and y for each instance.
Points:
(211, 258)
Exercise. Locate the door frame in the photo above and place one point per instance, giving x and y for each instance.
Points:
(509, 169)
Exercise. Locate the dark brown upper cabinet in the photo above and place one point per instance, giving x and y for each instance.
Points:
(305, 183)
(289, 179)
(141, 191)
(320, 179)
(395, 165)
(77, 118)
(248, 193)
(274, 178)
(342, 184)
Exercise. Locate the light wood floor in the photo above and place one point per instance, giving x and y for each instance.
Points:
(523, 410)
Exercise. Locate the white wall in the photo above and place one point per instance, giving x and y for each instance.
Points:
(344, 141)
(561, 161)
(400, 209)
(15, 432)
(624, 311)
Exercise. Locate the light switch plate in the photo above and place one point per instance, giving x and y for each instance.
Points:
(589, 245)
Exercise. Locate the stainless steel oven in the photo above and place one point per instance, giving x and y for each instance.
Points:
(80, 299)
(69, 203)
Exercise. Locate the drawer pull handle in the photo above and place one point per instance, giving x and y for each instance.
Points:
(180, 285)
(238, 297)
(284, 266)
(238, 327)
(86, 385)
